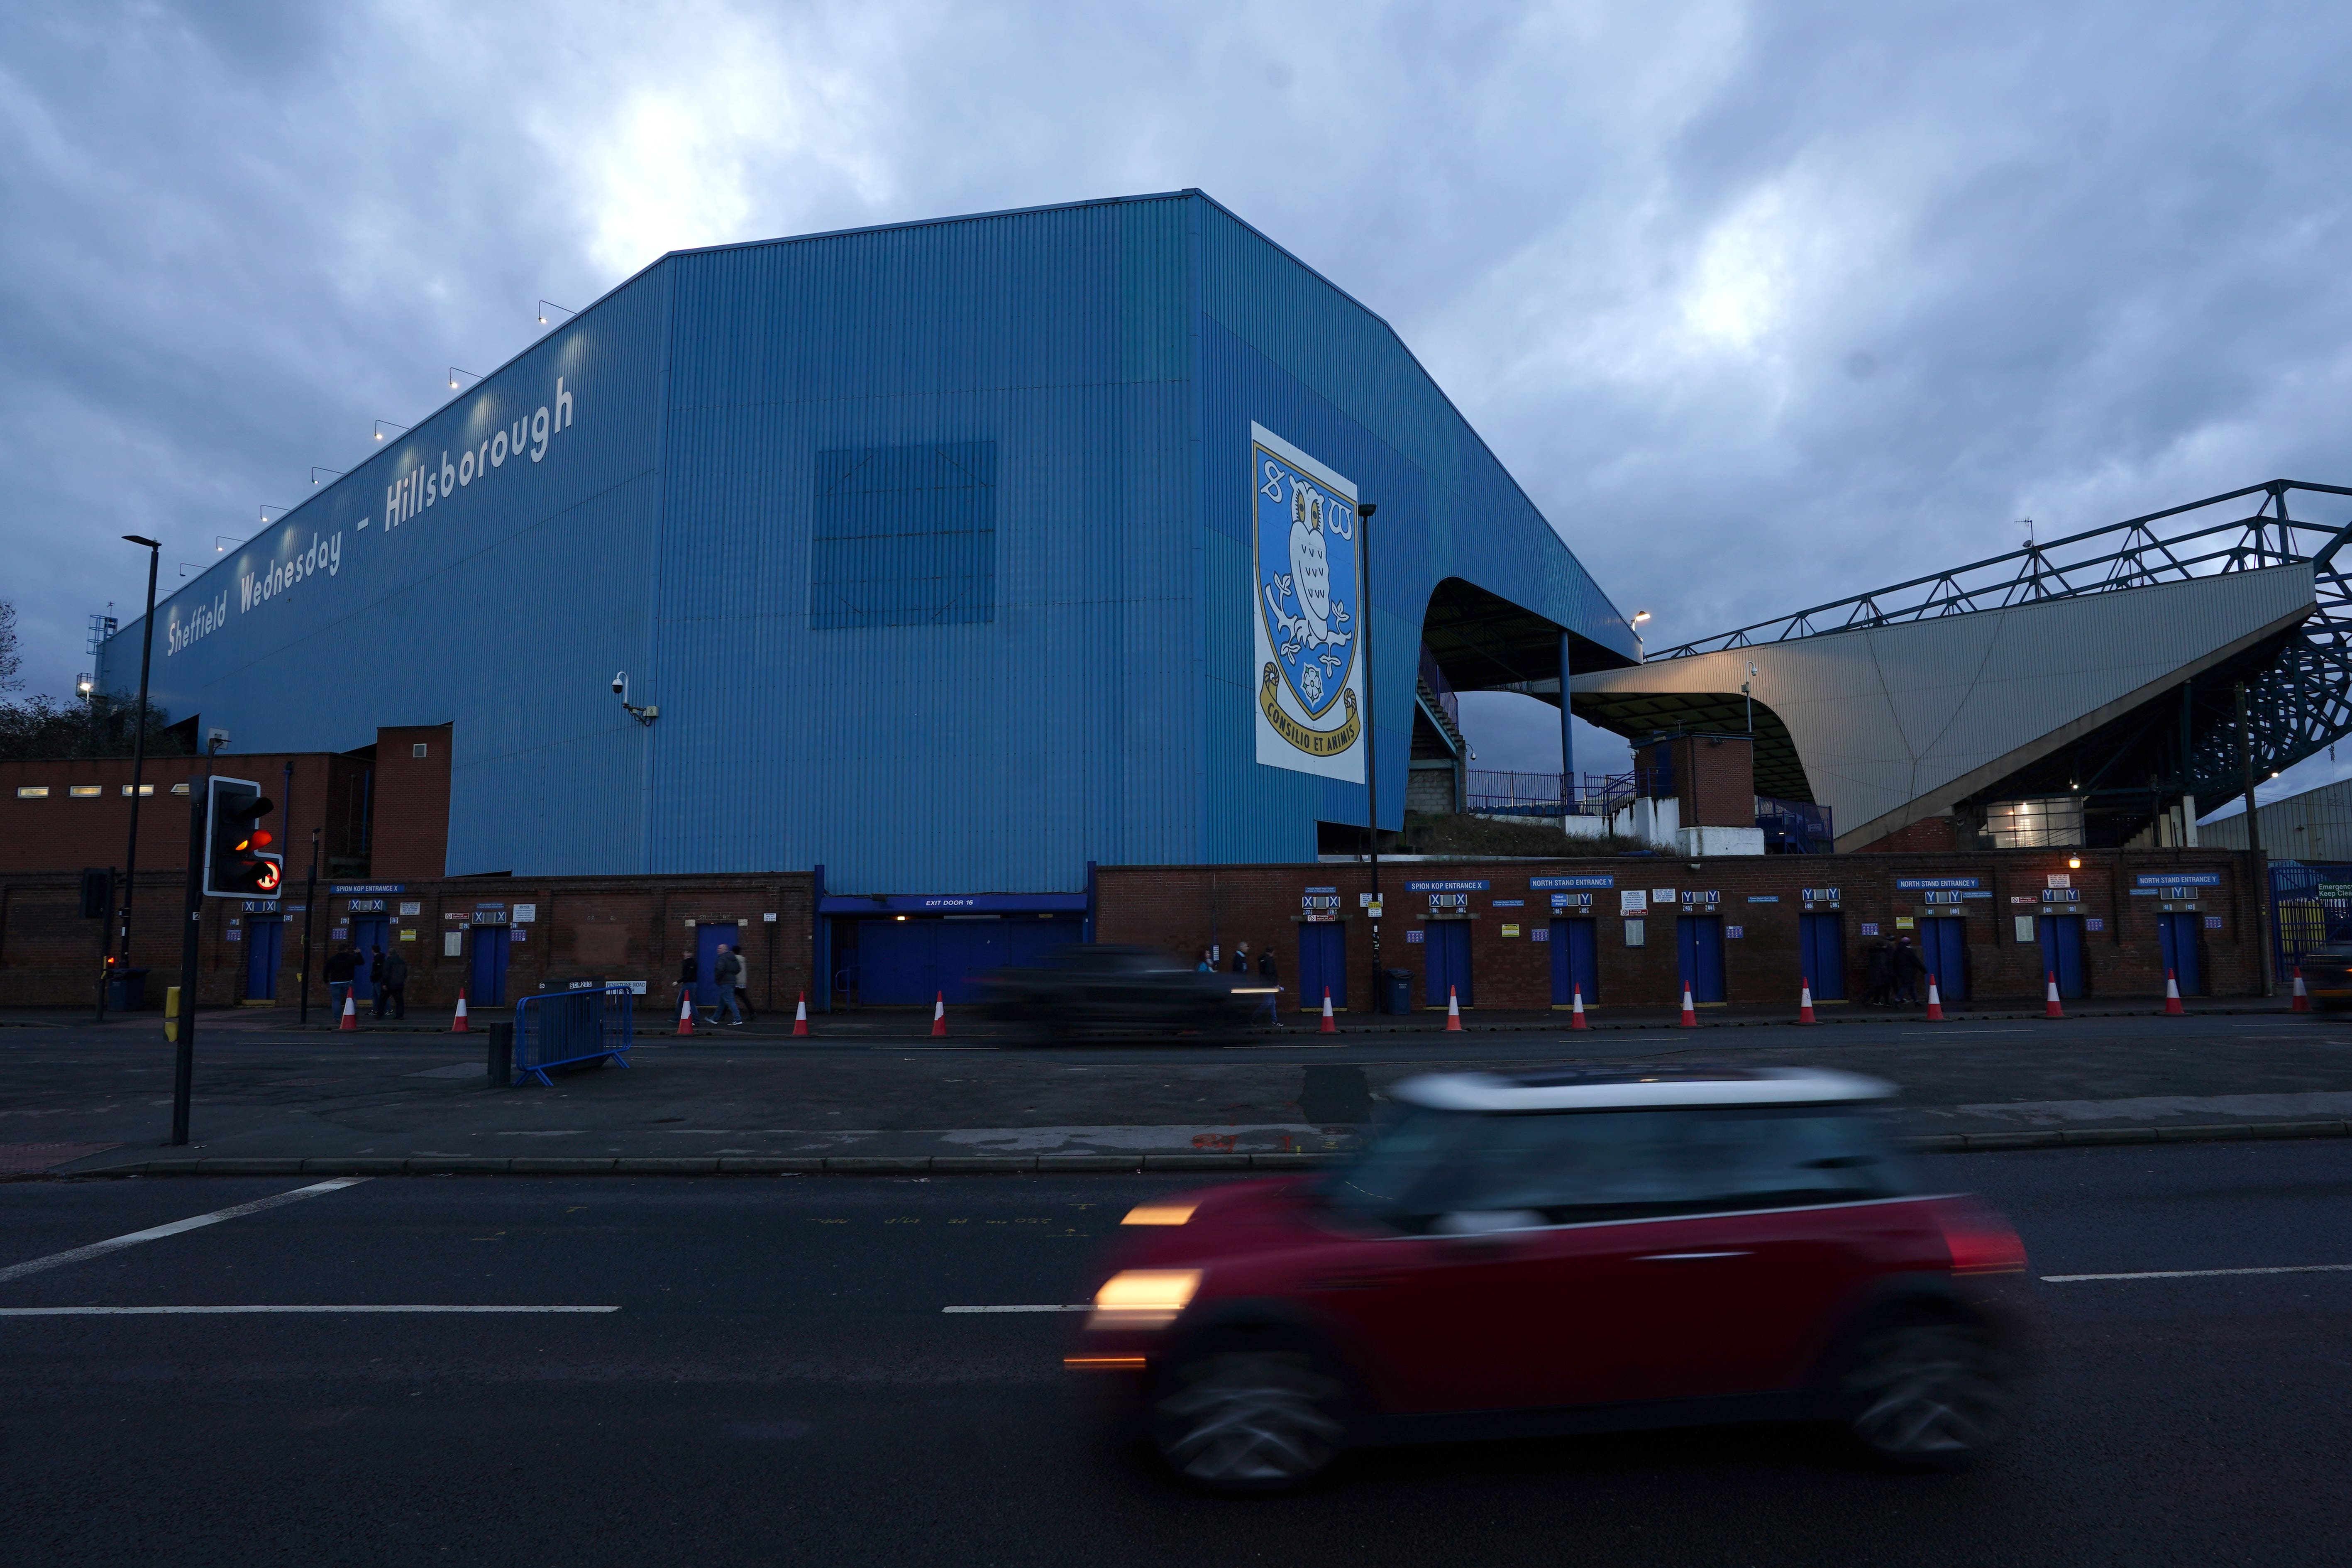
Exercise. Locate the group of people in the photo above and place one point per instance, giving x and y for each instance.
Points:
(1896, 975)
(731, 981)
(387, 977)
(1240, 965)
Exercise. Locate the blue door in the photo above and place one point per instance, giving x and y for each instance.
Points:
(910, 962)
(1944, 949)
(2178, 935)
(706, 939)
(1575, 963)
(1820, 953)
(2062, 952)
(371, 934)
(487, 985)
(264, 939)
(1448, 947)
(1322, 961)
(1699, 939)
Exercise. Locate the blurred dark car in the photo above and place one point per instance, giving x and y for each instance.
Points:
(1568, 1253)
(1099, 985)
(2327, 975)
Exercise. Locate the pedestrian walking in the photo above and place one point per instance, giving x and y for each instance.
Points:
(1241, 958)
(393, 992)
(1267, 977)
(1908, 970)
(743, 988)
(340, 970)
(1206, 965)
(724, 972)
(689, 971)
(1880, 965)
(375, 983)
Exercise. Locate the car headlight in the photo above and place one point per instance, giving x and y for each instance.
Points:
(1143, 1298)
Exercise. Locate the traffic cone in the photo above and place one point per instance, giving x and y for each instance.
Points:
(1805, 1002)
(1328, 1027)
(2049, 1009)
(1453, 1011)
(1576, 1017)
(457, 1024)
(1935, 1001)
(1690, 1013)
(799, 1015)
(685, 1013)
(939, 1017)
(2172, 1008)
(2302, 1003)
(350, 1020)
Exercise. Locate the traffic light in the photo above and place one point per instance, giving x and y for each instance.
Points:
(239, 863)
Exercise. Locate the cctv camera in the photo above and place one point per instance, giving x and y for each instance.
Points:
(620, 683)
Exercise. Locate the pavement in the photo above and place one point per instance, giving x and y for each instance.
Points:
(81, 1099)
(763, 1374)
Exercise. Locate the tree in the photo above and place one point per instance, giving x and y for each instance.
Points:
(41, 727)
(11, 665)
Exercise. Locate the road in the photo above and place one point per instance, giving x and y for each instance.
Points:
(779, 1383)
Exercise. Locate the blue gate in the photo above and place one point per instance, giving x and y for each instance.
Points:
(2311, 906)
(265, 936)
(1322, 961)
(488, 986)
(1575, 963)
(1821, 954)
(1699, 939)
(1447, 946)
(2062, 952)
(1944, 949)
(2178, 936)
(557, 1028)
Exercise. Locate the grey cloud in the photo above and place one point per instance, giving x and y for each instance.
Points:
(1763, 303)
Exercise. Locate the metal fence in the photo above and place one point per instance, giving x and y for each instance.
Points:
(1795, 827)
(2311, 906)
(558, 1028)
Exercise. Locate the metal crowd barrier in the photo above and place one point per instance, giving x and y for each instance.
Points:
(557, 1028)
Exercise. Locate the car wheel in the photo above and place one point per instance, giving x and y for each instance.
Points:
(1244, 1418)
(1928, 1394)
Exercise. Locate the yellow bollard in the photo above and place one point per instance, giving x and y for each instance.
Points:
(172, 1014)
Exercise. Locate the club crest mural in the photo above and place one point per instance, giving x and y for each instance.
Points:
(1309, 574)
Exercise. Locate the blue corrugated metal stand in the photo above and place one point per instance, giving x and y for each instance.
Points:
(932, 543)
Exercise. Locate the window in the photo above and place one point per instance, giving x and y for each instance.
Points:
(84, 792)
(32, 791)
(180, 788)
(144, 790)
(417, 750)
(1438, 1168)
(905, 536)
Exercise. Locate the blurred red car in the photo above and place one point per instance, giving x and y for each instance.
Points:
(1563, 1253)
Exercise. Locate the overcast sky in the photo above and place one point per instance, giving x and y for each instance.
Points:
(1763, 303)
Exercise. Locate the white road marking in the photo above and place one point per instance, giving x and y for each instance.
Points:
(99, 1248)
(156, 1311)
(1081, 1307)
(2200, 1273)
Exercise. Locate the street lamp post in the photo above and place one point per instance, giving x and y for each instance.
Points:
(138, 767)
(1364, 511)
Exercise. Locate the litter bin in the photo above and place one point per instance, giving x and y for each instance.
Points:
(1396, 990)
(126, 991)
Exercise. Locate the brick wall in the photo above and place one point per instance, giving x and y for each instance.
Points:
(1184, 909)
(66, 832)
(617, 928)
(411, 835)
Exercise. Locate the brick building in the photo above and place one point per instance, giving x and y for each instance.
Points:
(1746, 930)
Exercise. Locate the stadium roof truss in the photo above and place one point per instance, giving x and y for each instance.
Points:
(2184, 740)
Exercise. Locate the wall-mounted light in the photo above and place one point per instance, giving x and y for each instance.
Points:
(455, 373)
(267, 509)
(188, 566)
(546, 305)
(2074, 862)
(383, 424)
(316, 472)
(84, 684)
(221, 542)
